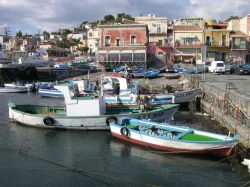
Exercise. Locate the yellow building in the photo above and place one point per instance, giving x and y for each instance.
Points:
(217, 40)
(188, 41)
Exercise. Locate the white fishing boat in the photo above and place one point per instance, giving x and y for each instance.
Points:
(13, 89)
(178, 139)
(175, 97)
(86, 113)
(50, 92)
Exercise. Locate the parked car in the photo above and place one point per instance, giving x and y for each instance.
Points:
(244, 69)
(119, 69)
(170, 68)
(217, 67)
(138, 71)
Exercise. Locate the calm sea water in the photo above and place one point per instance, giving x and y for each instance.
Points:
(42, 157)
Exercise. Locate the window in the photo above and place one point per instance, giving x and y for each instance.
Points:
(133, 39)
(223, 40)
(117, 41)
(107, 40)
(90, 34)
(188, 40)
(158, 28)
(160, 43)
(242, 41)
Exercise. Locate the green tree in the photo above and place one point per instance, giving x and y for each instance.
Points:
(63, 44)
(83, 49)
(121, 16)
(46, 35)
(109, 18)
(19, 34)
(231, 18)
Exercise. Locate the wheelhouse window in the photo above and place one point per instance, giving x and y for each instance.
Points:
(107, 40)
(133, 39)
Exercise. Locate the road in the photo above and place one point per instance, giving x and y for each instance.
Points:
(242, 82)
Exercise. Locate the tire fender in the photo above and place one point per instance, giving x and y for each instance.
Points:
(110, 119)
(124, 131)
(49, 121)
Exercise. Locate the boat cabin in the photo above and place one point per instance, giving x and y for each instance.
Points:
(81, 106)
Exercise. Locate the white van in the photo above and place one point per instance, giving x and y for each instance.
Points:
(217, 67)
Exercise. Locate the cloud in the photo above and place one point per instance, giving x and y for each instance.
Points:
(54, 14)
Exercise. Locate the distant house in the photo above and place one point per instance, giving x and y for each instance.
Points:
(240, 39)
(216, 38)
(121, 44)
(188, 41)
(93, 39)
(238, 49)
(159, 55)
(157, 27)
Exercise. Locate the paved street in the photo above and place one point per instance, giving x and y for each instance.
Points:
(242, 82)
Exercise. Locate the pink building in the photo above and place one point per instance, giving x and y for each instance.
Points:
(159, 54)
(123, 44)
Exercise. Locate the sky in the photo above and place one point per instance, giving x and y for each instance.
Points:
(30, 16)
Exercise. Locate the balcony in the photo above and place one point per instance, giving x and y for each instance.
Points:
(220, 43)
(238, 47)
(192, 45)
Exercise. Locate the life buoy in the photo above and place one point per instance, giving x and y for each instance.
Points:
(124, 131)
(111, 119)
(48, 121)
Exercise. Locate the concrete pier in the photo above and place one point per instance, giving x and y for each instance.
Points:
(226, 98)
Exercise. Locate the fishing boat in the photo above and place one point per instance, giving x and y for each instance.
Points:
(178, 139)
(151, 73)
(86, 113)
(175, 97)
(13, 89)
(172, 75)
(50, 92)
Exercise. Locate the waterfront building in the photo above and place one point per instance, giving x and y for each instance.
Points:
(240, 39)
(93, 39)
(188, 41)
(217, 40)
(245, 28)
(159, 55)
(157, 27)
(121, 44)
(29, 44)
(238, 49)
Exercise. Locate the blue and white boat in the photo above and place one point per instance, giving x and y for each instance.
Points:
(178, 139)
(13, 89)
(176, 97)
(50, 92)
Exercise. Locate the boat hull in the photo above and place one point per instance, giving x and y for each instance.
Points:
(50, 93)
(220, 151)
(220, 148)
(178, 97)
(85, 122)
(13, 90)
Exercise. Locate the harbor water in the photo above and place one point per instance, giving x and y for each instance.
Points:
(45, 157)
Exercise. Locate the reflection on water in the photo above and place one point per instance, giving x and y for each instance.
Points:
(45, 157)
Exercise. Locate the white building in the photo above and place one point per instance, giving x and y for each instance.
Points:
(157, 27)
(189, 22)
(80, 36)
(93, 39)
